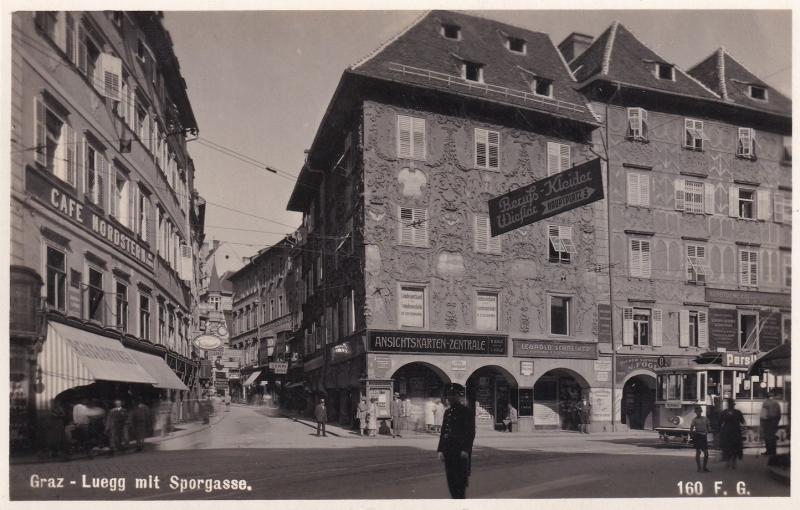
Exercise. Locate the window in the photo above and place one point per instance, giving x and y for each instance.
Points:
(694, 134)
(694, 196)
(787, 270)
(450, 31)
(142, 122)
(637, 123)
(542, 87)
(560, 245)
(693, 329)
(144, 317)
(487, 149)
(95, 295)
(96, 168)
(669, 387)
(748, 268)
(215, 302)
(558, 157)
(272, 309)
(665, 71)
(162, 324)
(640, 258)
(413, 227)
(516, 45)
(412, 307)
(745, 203)
(745, 144)
(759, 93)
(122, 306)
(410, 137)
(484, 242)
(641, 326)
(486, 311)
(120, 205)
(783, 207)
(56, 279)
(280, 306)
(696, 266)
(559, 315)
(748, 331)
(638, 189)
(472, 71)
(171, 328)
(143, 211)
(55, 143)
(786, 156)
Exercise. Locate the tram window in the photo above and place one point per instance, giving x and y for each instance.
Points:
(761, 385)
(673, 387)
(662, 388)
(689, 386)
(714, 386)
(742, 386)
(703, 387)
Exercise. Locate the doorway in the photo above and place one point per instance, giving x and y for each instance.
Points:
(638, 402)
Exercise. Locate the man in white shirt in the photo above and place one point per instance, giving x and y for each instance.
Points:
(80, 417)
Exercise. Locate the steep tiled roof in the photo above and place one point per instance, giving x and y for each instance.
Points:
(225, 282)
(730, 79)
(617, 55)
(422, 56)
(213, 280)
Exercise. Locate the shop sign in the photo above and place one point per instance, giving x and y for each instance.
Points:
(458, 365)
(749, 297)
(526, 368)
(233, 373)
(346, 350)
(412, 307)
(437, 343)
(577, 186)
(601, 376)
(279, 367)
(602, 365)
(628, 364)
(554, 349)
(207, 342)
(734, 359)
(723, 326)
(600, 399)
(69, 207)
(604, 323)
(525, 402)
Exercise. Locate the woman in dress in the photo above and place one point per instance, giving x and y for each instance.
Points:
(361, 415)
(372, 417)
(730, 440)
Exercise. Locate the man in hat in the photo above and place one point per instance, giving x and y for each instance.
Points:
(396, 410)
(321, 415)
(455, 442)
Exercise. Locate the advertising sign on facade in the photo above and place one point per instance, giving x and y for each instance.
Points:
(486, 311)
(279, 367)
(628, 364)
(603, 323)
(577, 186)
(600, 399)
(526, 367)
(554, 349)
(458, 365)
(749, 297)
(412, 307)
(437, 343)
(723, 328)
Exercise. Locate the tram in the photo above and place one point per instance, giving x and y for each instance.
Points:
(713, 378)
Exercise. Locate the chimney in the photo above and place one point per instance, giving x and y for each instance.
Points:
(574, 44)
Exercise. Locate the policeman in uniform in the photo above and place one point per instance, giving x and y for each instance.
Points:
(455, 442)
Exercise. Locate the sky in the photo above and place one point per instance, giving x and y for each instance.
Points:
(260, 81)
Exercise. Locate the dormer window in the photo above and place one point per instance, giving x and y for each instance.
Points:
(451, 31)
(665, 71)
(471, 71)
(516, 45)
(543, 87)
(758, 93)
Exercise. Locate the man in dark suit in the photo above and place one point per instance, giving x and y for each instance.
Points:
(321, 416)
(455, 442)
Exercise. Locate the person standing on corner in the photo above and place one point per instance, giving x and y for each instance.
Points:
(140, 418)
(455, 442)
(770, 417)
(396, 410)
(584, 415)
(115, 426)
(321, 416)
(511, 418)
(699, 431)
(361, 416)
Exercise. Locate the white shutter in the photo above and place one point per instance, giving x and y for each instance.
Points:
(627, 326)
(657, 318)
(145, 213)
(753, 268)
(733, 202)
(111, 69)
(186, 262)
(635, 258)
(420, 230)
(81, 51)
(683, 339)
(643, 116)
(403, 136)
(70, 152)
(633, 189)
(645, 258)
(406, 233)
(553, 158)
(644, 190)
(481, 147)
(101, 171)
(680, 186)
(709, 198)
(763, 206)
(481, 244)
(702, 330)
(777, 205)
(494, 150)
(134, 208)
(564, 155)
(40, 131)
(112, 196)
(418, 137)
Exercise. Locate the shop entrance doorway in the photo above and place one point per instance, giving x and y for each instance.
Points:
(423, 385)
(638, 402)
(555, 398)
(489, 391)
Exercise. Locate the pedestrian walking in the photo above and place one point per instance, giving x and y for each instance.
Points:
(140, 420)
(770, 417)
(511, 419)
(430, 422)
(699, 429)
(115, 426)
(80, 417)
(584, 413)
(321, 417)
(438, 416)
(455, 442)
(227, 400)
(396, 410)
(406, 412)
(730, 440)
(372, 417)
(361, 415)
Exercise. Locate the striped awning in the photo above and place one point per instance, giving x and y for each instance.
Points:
(252, 378)
(160, 371)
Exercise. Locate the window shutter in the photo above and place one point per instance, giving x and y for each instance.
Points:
(744, 268)
(112, 196)
(644, 190)
(418, 129)
(709, 198)
(635, 258)
(403, 136)
(643, 115)
(633, 189)
(420, 229)
(40, 134)
(553, 158)
(406, 218)
(134, 209)
(777, 205)
(733, 202)
(494, 150)
(146, 228)
(564, 157)
(753, 268)
(645, 258)
(81, 49)
(683, 339)
(702, 330)
(763, 206)
(481, 244)
(680, 186)
(633, 121)
(111, 67)
(657, 317)
(186, 262)
(481, 147)
(69, 37)
(627, 326)
(100, 178)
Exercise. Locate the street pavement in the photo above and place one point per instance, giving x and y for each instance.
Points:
(280, 457)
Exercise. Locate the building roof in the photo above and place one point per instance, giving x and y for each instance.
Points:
(214, 284)
(619, 56)
(731, 80)
(421, 55)
(225, 282)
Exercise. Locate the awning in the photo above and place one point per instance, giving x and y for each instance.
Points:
(294, 385)
(158, 368)
(778, 360)
(252, 378)
(73, 357)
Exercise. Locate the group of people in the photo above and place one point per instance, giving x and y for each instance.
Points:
(575, 414)
(367, 417)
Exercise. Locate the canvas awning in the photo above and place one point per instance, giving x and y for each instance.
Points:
(252, 378)
(72, 357)
(778, 360)
(158, 368)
